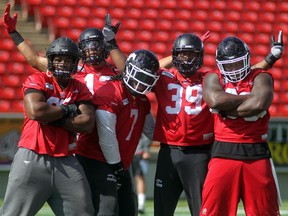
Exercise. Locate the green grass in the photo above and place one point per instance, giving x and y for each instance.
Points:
(182, 209)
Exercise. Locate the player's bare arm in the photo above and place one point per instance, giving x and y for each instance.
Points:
(215, 96)
(83, 122)
(31, 56)
(38, 109)
(259, 99)
(275, 54)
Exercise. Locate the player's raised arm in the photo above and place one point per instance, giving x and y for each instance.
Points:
(31, 56)
(109, 31)
(277, 48)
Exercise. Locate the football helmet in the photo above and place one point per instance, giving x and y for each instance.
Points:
(233, 59)
(63, 46)
(92, 47)
(141, 71)
(187, 43)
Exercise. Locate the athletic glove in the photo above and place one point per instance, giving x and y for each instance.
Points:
(119, 173)
(109, 32)
(277, 48)
(205, 36)
(70, 110)
(9, 22)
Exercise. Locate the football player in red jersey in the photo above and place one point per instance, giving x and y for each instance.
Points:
(44, 169)
(241, 166)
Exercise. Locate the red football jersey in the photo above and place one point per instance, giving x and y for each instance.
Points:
(241, 130)
(183, 118)
(44, 138)
(130, 112)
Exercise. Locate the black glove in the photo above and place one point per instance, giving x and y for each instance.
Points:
(70, 110)
(277, 48)
(119, 173)
(109, 32)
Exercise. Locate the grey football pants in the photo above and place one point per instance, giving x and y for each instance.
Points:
(35, 179)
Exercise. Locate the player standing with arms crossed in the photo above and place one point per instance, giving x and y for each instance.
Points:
(241, 166)
(56, 107)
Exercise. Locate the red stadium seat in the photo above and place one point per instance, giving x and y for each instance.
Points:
(268, 6)
(65, 11)
(69, 2)
(266, 17)
(252, 6)
(4, 56)
(147, 24)
(117, 13)
(118, 3)
(234, 5)
(72, 33)
(78, 22)
(218, 5)
(200, 15)
(262, 38)
(161, 36)
(198, 26)
(182, 14)
(96, 22)
(141, 45)
(231, 27)
(61, 22)
(249, 16)
(51, 2)
(185, 4)
(210, 48)
(134, 13)
(99, 12)
(17, 56)
(282, 17)
(160, 48)
(153, 4)
(246, 27)
(136, 3)
(16, 67)
(216, 15)
(17, 105)
(164, 25)
(202, 5)
(150, 13)
(214, 26)
(182, 26)
(127, 47)
(283, 6)
(5, 106)
(127, 35)
(130, 24)
(247, 37)
(233, 16)
(11, 80)
(82, 11)
(168, 14)
(264, 27)
(7, 44)
(2, 68)
(144, 36)
(209, 60)
(8, 93)
(168, 4)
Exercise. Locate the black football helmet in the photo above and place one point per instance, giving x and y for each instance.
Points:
(233, 59)
(188, 43)
(141, 71)
(63, 46)
(91, 45)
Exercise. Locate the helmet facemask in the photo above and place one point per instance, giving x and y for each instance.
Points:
(62, 70)
(235, 70)
(93, 51)
(138, 80)
(187, 62)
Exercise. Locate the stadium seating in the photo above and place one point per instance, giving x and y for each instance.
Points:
(154, 24)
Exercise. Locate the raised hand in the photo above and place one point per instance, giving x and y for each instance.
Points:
(277, 47)
(109, 31)
(9, 22)
(205, 36)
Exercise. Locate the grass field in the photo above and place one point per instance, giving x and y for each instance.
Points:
(182, 209)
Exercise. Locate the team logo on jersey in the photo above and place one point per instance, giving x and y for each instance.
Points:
(125, 101)
(204, 211)
(49, 86)
(104, 78)
(168, 74)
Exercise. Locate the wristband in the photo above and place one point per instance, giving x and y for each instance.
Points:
(270, 59)
(117, 168)
(16, 37)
